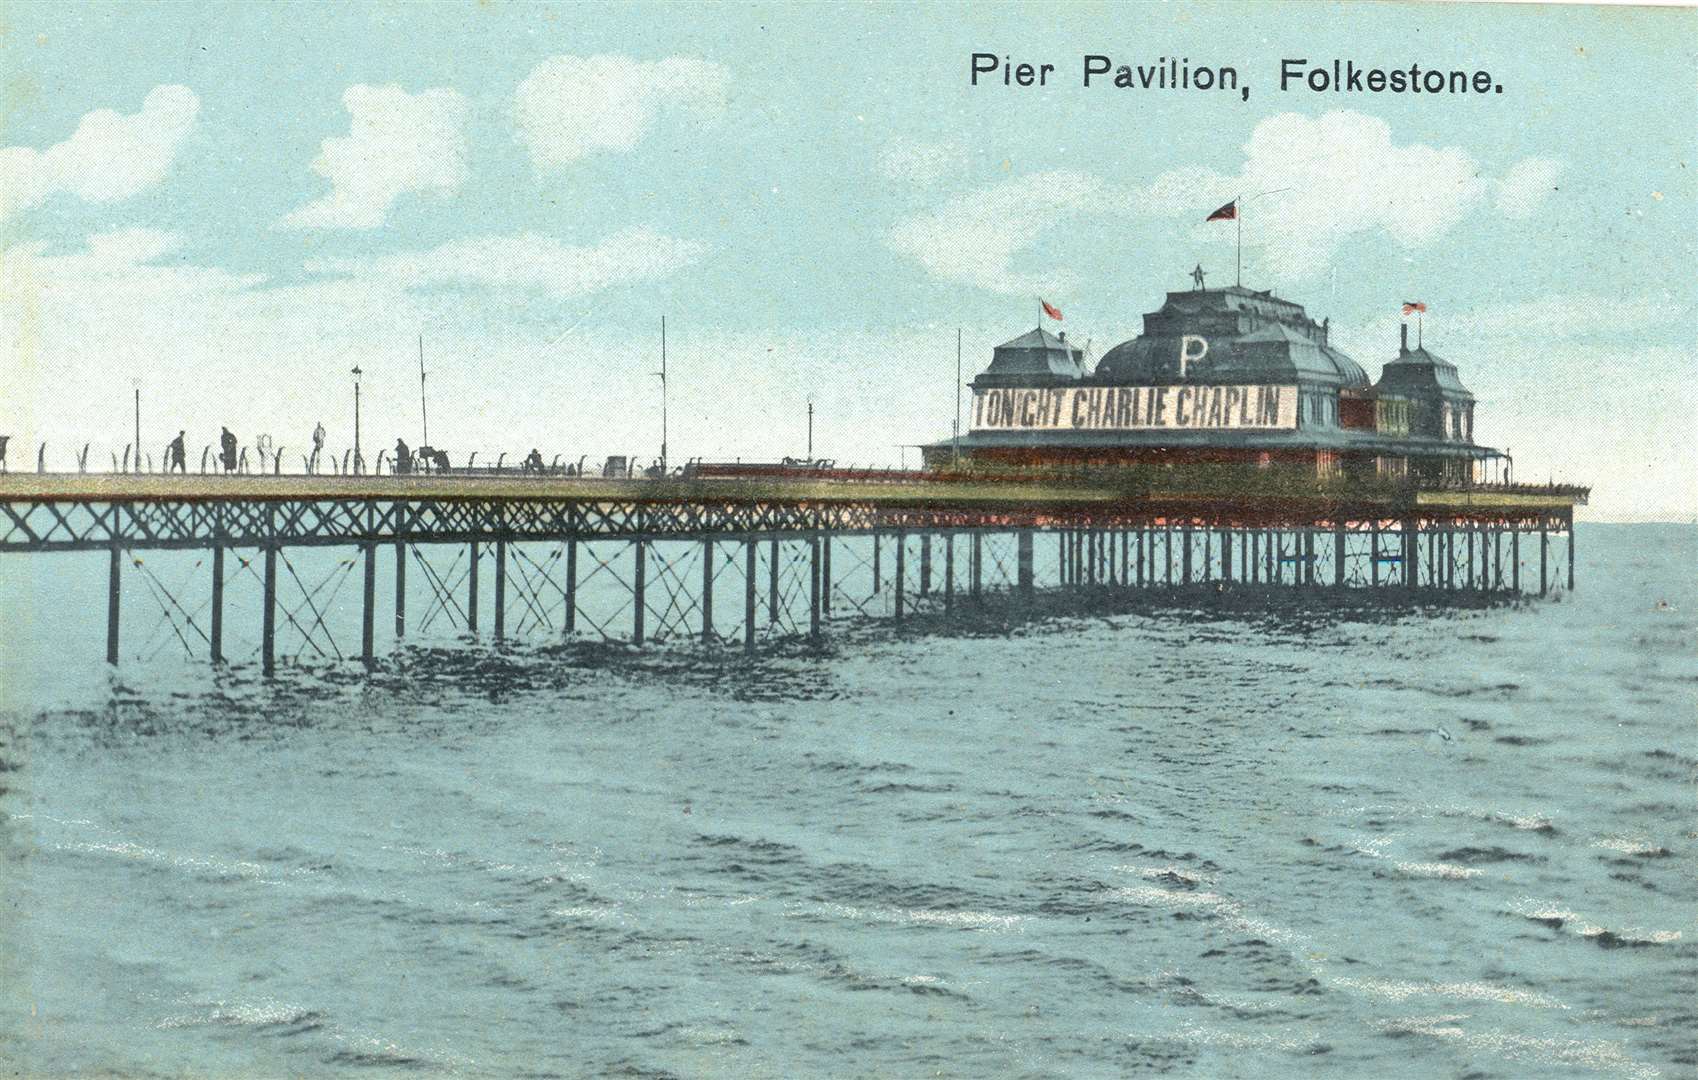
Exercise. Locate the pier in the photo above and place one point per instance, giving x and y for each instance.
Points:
(730, 563)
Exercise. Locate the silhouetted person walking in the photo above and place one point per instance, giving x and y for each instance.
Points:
(176, 455)
(227, 450)
(403, 457)
(317, 443)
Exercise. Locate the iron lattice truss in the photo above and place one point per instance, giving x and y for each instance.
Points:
(137, 524)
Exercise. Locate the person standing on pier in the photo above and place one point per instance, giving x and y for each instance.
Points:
(403, 458)
(176, 456)
(317, 443)
(227, 450)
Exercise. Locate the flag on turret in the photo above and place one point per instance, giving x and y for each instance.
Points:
(1410, 307)
(1229, 212)
(1050, 309)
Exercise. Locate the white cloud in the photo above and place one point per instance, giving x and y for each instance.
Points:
(110, 157)
(569, 107)
(1526, 186)
(530, 261)
(397, 143)
(1329, 178)
(973, 238)
(1334, 175)
(919, 162)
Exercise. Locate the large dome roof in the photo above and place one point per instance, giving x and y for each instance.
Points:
(1252, 337)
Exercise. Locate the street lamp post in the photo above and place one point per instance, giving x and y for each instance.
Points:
(356, 373)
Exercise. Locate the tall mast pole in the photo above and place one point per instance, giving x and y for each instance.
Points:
(356, 374)
(424, 413)
(957, 455)
(1239, 218)
(138, 429)
(663, 394)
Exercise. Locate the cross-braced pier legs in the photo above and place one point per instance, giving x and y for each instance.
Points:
(644, 590)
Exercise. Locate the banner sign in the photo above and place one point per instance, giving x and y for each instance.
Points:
(1135, 408)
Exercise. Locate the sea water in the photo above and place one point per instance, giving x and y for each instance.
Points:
(1169, 842)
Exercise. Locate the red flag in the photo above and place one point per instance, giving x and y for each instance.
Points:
(1410, 307)
(1051, 311)
(1229, 212)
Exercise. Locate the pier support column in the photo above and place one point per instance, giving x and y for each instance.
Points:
(814, 588)
(1411, 554)
(500, 590)
(1167, 552)
(1061, 558)
(772, 584)
(218, 604)
(751, 561)
(1226, 556)
(472, 593)
(1272, 556)
(368, 606)
(1023, 560)
(825, 576)
(976, 580)
(1374, 555)
(1515, 559)
(707, 592)
(638, 586)
(400, 589)
(925, 564)
(1544, 557)
(949, 571)
(901, 584)
(878, 562)
(268, 614)
(1571, 552)
(1468, 572)
(1339, 540)
(114, 569)
(571, 587)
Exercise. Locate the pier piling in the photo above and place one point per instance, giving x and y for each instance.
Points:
(500, 591)
(901, 571)
(707, 592)
(216, 641)
(268, 614)
(639, 584)
(368, 603)
(472, 593)
(571, 587)
(750, 557)
(112, 592)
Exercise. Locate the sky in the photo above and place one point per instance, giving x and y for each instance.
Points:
(229, 207)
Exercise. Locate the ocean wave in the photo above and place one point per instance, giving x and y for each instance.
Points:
(1399, 990)
(963, 920)
(1601, 1055)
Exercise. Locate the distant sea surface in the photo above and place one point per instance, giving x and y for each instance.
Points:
(1436, 844)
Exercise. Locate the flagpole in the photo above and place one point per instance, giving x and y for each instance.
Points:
(1420, 316)
(1239, 218)
(958, 395)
